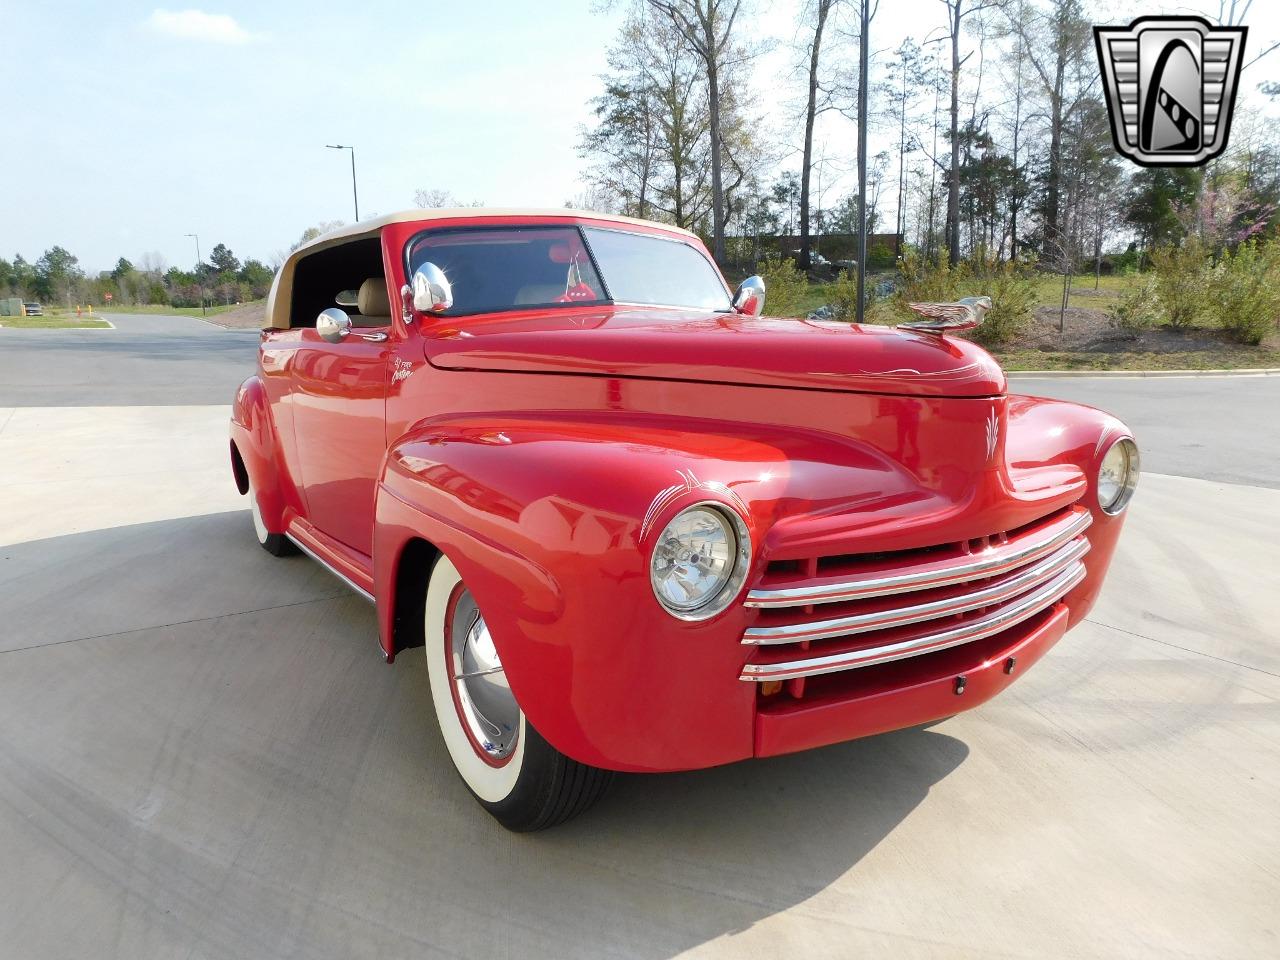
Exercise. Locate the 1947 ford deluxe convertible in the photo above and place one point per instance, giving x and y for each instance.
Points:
(636, 525)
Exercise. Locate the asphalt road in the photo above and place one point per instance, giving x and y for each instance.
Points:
(1219, 428)
(202, 754)
(147, 359)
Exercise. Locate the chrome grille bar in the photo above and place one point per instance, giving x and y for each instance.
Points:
(1024, 580)
(977, 629)
(990, 562)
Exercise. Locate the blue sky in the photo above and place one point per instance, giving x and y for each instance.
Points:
(142, 128)
(140, 123)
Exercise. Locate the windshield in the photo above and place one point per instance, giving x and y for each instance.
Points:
(519, 267)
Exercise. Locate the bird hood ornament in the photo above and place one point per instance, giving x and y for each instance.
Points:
(940, 318)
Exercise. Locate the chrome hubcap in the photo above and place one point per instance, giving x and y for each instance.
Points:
(484, 699)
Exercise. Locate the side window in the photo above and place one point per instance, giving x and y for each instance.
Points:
(348, 275)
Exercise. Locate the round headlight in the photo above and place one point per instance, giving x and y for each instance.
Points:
(700, 561)
(1118, 476)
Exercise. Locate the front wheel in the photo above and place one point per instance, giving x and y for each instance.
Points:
(523, 781)
(276, 544)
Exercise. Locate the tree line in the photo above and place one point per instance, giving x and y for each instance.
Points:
(999, 140)
(56, 277)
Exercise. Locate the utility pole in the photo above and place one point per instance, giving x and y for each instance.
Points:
(199, 279)
(355, 197)
(817, 240)
(864, 48)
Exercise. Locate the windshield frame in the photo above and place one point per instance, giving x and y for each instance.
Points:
(577, 226)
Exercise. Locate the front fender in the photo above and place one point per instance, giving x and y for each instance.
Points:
(551, 521)
(1044, 434)
(551, 524)
(254, 438)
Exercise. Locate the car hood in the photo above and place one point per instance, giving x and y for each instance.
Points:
(672, 344)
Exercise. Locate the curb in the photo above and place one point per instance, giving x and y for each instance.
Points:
(1138, 374)
(206, 320)
(109, 326)
(184, 316)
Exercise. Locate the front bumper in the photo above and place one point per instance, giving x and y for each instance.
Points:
(915, 636)
(905, 693)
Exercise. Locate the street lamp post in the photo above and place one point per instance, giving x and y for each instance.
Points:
(355, 197)
(199, 279)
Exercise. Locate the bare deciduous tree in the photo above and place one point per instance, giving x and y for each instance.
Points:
(820, 11)
(435, 199)
(707, 27)
(1057, 42)
(957, 11)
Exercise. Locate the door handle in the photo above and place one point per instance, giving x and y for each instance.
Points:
(375, 337)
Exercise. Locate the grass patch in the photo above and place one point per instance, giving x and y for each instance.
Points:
(1049, 290)
(164, 310)
(1223, 358)
(814, 297)
(1086, 346)
(52, 323)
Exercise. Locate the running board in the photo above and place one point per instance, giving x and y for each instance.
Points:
(298, 537)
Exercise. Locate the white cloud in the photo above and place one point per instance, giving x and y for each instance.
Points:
(198, 25)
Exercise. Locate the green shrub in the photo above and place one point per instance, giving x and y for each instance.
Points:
(842, 296)
(784, 286)
(1125, 264)
(156, 293)
(1182, 279)
(1244, 292)
(1137, 309)
(1013, 295)
(921, 281)
(879, 256)
(1011, 287)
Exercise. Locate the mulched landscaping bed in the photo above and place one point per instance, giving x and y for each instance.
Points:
(1089, 341)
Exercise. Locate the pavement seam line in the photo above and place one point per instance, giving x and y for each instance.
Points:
(1198, 653)
(1123, 374)
(178, 623)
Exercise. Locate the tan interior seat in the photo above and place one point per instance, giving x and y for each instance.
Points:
(539, 293)
(372, 302)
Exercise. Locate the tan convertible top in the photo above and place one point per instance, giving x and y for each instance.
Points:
(282, 287)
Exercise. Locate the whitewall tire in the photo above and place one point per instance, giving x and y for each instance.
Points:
(516, 775)
(276, 544)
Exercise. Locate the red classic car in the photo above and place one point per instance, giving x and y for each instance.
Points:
(636, 525)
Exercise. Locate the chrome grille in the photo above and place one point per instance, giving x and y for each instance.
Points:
(831, 614)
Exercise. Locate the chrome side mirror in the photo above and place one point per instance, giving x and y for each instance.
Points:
(333, 325)
(749, 297)
(432, 292)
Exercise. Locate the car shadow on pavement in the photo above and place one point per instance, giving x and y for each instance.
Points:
(203, 754)
(757, 838)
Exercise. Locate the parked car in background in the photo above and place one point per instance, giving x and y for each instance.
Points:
(33, 309)
(636, 525)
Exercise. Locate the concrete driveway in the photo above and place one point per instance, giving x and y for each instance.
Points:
(203, 755)
(146, 359)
